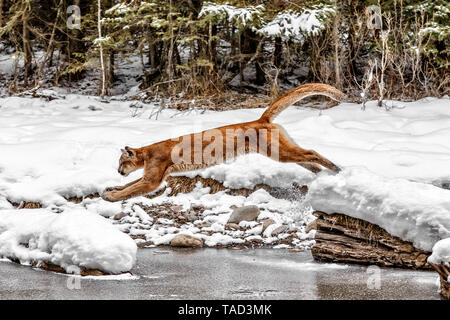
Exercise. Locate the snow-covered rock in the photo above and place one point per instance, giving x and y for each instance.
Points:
(73, 239)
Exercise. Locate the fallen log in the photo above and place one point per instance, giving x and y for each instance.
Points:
(341, 238)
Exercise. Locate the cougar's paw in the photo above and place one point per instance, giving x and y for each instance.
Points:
(336, 169)
(110, 196)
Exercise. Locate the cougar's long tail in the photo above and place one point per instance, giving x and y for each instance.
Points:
(299, 93)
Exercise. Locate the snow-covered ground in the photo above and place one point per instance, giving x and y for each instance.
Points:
(71, 239)
(52, 151)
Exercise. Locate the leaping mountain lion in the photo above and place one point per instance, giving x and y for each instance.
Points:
(213, 146)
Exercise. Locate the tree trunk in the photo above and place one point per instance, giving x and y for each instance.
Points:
(27, 54)
(337, 66)
(49, 47)
(251, 45)
(102, 62)
(169, 69)
(277, 52)
(111, 76)
(1, 13)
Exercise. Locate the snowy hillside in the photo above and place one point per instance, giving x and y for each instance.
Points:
(52, 151)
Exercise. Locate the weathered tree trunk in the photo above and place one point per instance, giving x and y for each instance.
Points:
(340, 238)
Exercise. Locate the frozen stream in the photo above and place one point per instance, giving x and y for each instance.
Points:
(224, 274)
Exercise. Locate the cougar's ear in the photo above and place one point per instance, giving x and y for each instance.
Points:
(127, 151)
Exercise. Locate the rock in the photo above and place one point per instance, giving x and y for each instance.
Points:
(247, 213)
(144, 244)
(186, 241)
(232, 226)
(295, 250)
(203, 224)
(120, 215)
(278, 230)
(176, 208)
(91, 272)
(266, 223)
(192, 218)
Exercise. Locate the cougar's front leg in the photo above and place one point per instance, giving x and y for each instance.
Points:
(149, 182)
(117, 188)
(138, 189)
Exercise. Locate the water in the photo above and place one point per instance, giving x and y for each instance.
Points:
(224, 274)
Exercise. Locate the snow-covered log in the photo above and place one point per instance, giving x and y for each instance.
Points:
(341, 238)
(412, 211)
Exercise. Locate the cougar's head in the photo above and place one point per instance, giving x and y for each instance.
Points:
(129, 161)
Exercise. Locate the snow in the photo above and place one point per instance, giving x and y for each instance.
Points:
(395, 162)
(291, 25)
(239, 16)
(72, 239)
(413, 211)
(441, 252)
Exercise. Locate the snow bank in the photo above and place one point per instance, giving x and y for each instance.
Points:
(72, 239)
(441, 253)
(412, 211)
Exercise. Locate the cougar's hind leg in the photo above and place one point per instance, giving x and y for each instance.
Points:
(310, 166)
(313, 156)
(309, 159)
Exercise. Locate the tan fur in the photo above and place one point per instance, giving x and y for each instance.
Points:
(157, 159)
